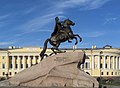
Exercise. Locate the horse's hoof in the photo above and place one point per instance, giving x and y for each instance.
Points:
(69, 41)
(41, 59)
(81, 40)
(76, 43)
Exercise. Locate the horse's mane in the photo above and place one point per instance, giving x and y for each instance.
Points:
(64, 22)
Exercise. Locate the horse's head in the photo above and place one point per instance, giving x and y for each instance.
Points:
(68, 23)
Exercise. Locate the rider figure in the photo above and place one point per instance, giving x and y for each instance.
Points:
(59, 28)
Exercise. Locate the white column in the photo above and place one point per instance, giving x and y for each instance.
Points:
(34, 59)
(13, 62)
(93, 62)
(104, 62)
(18, 62)
(113, 62)
(24, 62)
(98, 62)
(29, 61)
(116, 62)
(109, 62)
(119, 62)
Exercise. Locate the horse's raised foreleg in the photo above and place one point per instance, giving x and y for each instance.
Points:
(76, 40)
(78, 37)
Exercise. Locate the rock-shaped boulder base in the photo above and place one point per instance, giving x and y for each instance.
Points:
(55, 71)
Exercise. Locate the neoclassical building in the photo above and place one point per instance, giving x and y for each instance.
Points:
(101, 62)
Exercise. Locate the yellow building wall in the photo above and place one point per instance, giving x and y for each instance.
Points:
(4, 64)
(36, 51)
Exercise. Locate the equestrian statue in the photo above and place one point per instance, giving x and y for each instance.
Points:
(62, 33)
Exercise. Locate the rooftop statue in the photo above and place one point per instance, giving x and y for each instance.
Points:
(62, 33)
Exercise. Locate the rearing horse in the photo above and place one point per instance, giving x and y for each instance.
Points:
(65, 35)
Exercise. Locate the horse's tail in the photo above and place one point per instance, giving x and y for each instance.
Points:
(42, 54)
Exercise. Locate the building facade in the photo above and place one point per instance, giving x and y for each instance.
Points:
(101, 62)
(104, 62)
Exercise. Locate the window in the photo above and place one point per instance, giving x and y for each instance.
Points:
(10, 73)
(107, 73)
(101, 73)
(16, 65)
(21, 65)
(26, 65)
(115, 73)
(3, 57)
(118, 73)
(15, 72)
(105, 65)
(3, 73)
(86, 65)
(3, 66)
(10, 66)
(100, 65)
(112, 73)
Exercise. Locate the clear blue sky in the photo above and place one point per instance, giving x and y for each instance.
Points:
(30, 22)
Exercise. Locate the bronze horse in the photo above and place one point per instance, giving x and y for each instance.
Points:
(58, 38)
